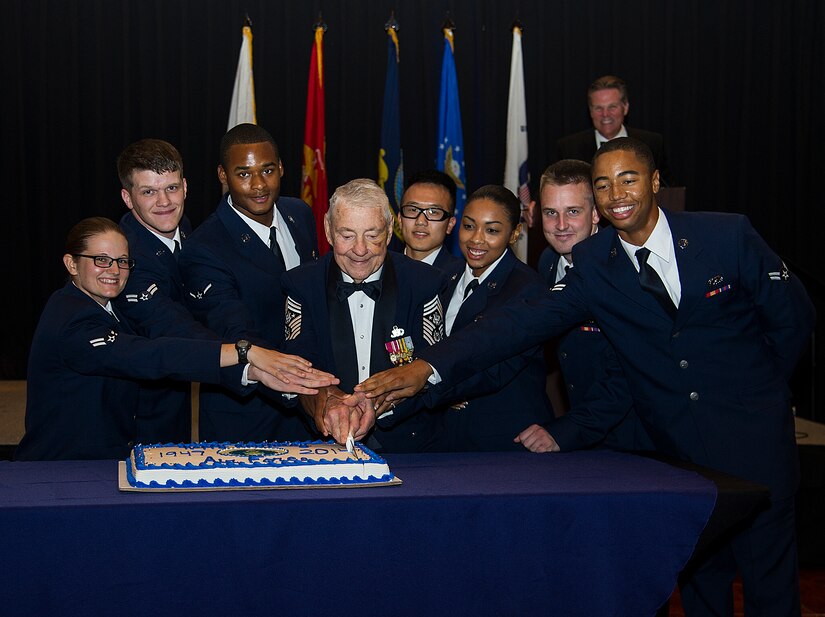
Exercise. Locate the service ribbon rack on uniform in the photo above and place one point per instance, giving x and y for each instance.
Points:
(400, 347)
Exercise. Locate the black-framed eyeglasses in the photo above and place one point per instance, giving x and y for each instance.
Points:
(431, 214)
(104, 261)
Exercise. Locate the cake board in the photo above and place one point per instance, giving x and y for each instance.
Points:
(124, 486)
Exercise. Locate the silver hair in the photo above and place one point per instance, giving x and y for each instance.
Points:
(361, 192)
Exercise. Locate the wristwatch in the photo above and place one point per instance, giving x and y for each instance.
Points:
(242, 347)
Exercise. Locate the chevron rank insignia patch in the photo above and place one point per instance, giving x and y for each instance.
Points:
(780, 275)
(104, 340)
(433, 321)
(198, 295)
(144, 295)
(292, 319)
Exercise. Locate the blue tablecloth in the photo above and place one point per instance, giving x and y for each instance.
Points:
(587, 533)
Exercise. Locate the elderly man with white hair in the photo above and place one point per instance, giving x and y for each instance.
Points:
(359, 310)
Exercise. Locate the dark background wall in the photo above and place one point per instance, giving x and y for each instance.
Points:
(735, 86)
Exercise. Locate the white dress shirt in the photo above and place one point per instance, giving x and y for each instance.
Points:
(458, 298)
(429, 259)
(662, 257)
(601, 139)
(362, 311)
(285, 241)
(561, 268)
(168, 242)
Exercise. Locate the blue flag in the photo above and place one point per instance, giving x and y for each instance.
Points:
(390, 155)
(450, 154)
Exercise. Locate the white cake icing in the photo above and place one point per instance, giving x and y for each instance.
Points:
(253, 464)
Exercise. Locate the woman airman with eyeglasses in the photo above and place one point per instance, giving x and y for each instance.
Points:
(82, 397)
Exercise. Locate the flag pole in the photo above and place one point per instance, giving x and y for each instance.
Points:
(314, 189)
(242, 105)
(516, 169)
(450, 150)
(390, 153)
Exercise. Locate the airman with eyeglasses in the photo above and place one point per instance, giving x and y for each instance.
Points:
(104, 261)
(426, 214)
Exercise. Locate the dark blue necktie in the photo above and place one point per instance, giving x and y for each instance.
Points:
(276, 250)
(470, 287)
(345, 290)
(652, 284)
(176, 250)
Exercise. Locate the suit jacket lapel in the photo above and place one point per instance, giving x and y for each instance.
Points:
(384, 318)
(491, 286)
(302, 242)
(622, 275)
(688, 249)
(343, 341)
(247, 241)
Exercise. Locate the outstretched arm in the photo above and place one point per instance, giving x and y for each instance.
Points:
(396, 384)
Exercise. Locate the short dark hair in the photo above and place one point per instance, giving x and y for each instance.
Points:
(504, 197)
(608, 82)
(564, 172)
(628, 144)
(147, 154)
(78, 237)
(434, 177)
(245, 134)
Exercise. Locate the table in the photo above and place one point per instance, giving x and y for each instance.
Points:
(580, 533)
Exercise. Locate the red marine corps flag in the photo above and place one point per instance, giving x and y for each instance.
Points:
(314, 185)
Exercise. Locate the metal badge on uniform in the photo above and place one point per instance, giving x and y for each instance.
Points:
(292, 319)
(245, 238)
(716, 282)
(290, 219)
(613, 252)
(491, 285)
(683, 243)
(159, 253)
(400, 347)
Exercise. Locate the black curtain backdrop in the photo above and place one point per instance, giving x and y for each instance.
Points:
(735, 86)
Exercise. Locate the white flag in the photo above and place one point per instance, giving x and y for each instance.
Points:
(516, 172)
(242, 108)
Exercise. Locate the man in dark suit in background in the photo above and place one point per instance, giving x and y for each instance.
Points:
(427, 217)
(608, 104)
(356, 311)
(708, 324)
(232, 269)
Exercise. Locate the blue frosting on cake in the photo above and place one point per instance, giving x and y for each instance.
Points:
(255, 461)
